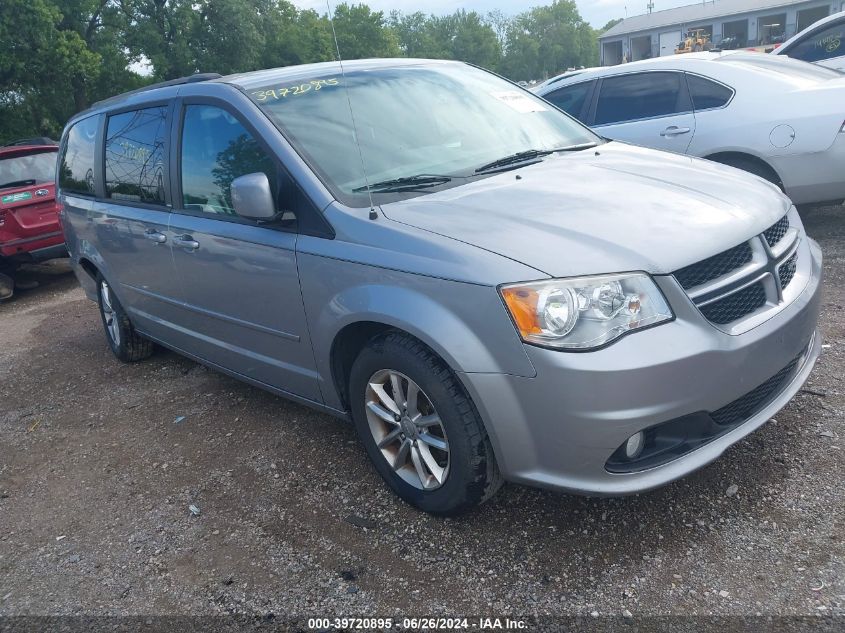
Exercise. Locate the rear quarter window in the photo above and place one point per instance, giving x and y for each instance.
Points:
(706, 94)
(76, 169)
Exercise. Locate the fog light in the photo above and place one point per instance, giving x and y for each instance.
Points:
(634, 445)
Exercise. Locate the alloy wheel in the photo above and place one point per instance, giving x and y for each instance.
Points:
(109, 313)
(407, 429)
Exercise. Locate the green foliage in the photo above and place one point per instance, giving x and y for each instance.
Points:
(610, 25)
(59, 56)
(548, 40)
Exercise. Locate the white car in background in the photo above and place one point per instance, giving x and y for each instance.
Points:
(778, 118)
(823, 43)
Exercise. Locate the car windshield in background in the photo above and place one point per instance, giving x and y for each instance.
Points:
(789, 69)
(29, 169)
(439, 121)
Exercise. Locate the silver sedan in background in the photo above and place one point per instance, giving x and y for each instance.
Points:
(775, 117)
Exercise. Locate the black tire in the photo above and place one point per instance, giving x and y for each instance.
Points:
(124, 341)
(473, 475)
(752, 166)
(7, 286)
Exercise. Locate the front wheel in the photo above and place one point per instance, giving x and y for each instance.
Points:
(420, 428)
(124, 341)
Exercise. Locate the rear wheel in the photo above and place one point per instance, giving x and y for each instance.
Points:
(419, 427)
(124, 341)
(7, 286)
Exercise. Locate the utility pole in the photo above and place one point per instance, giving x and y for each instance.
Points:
(650, 6)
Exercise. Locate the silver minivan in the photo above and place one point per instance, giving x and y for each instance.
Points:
(486, 288)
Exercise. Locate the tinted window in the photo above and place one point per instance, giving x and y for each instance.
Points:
(707, 94)
(639, 96)
(825, 44)
(216, 149)
(135, 155)
(572, 98)
(76, 174)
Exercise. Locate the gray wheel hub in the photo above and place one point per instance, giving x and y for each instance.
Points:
(407, 429)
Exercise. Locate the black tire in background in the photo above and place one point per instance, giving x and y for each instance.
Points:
(473, 476)
(124, 341)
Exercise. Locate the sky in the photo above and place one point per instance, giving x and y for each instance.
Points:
(596, 12)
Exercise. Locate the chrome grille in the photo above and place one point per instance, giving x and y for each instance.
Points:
(746, 279)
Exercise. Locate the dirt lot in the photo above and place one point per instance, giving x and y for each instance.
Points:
(97, 476)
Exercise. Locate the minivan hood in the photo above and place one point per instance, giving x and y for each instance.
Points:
(614, 209)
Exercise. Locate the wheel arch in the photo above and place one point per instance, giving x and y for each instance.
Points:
(88, 267)
(730, 157)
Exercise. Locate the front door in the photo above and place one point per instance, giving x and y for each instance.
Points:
(239, 279)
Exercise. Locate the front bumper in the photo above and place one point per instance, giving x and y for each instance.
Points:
(559, 429)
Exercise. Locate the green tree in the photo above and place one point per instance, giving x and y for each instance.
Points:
(58, 56)
(547, 40)
(610, 25)
(55, 58)
(363, 33)
(465, 36)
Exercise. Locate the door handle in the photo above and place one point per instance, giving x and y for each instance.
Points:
(674, 130)
(155, 236)
(187, 242)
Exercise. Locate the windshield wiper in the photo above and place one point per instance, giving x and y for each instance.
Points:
(530, 155)
(405, 184)
(18, 183)
(515, 159)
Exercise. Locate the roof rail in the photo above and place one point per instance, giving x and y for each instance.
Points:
(190, 79)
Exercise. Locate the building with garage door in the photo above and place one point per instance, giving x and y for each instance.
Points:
(731, 23)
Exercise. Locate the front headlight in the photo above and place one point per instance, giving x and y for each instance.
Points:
(584, 313)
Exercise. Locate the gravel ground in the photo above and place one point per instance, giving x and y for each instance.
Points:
(98, 471)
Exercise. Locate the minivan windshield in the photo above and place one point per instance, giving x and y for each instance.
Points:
(421, 127)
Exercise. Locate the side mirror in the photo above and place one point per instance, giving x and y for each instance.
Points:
(252, 198)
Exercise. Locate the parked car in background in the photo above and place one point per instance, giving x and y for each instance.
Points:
(822, 43)
(775, 117)
(492, 293)
(29, 217)
(731, 43)
(558, 78)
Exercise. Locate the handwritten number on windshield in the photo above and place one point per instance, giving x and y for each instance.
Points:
(294, 91)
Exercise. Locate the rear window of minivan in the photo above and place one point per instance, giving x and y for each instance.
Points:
(77, 171)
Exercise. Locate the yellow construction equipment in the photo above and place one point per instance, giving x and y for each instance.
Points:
(696, 40)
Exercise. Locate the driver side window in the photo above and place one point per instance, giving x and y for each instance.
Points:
(216, 149)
